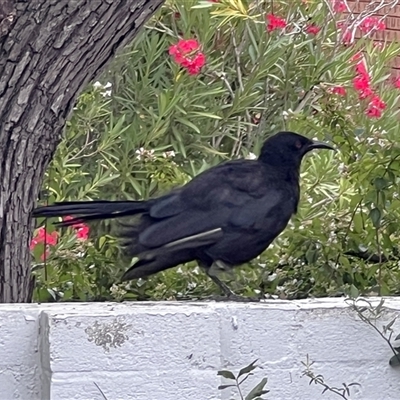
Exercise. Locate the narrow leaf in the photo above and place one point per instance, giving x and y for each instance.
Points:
(248, 369)
(258, 390)
(226, 374)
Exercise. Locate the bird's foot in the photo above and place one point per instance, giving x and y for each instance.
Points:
(242, 299)
(234, 297)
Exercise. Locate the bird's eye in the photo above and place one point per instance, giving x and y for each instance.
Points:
(298, 144)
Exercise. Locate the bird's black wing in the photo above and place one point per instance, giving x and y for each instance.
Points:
(230, 194)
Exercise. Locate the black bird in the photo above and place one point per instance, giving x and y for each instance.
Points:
(224, 217)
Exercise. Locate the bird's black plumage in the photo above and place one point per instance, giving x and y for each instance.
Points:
(225, 216)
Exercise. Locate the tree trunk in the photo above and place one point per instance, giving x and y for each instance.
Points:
(49, 51)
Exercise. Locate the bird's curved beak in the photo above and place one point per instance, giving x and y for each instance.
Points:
(320, 145)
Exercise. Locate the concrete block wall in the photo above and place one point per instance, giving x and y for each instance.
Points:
(173, 350)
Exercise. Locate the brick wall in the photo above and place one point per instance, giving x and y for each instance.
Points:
(392, 32)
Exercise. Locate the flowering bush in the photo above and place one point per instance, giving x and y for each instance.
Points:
(208, 81)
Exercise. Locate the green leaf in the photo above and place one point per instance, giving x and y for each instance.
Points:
(226, 374)
(38, 251)
(380, 183)
(358, 223)
(375, 216)
(222, 387)
(354, 292)
(258, 390)
(189, 124)
(395, 360)
(248, 369)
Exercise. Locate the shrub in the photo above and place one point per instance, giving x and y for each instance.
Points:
(208, 81)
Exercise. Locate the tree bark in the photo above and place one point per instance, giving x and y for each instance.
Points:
(49, 51)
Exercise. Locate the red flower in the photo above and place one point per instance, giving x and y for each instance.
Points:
(379, 45)
(396, 82)
(356, 57)
(347, 36)
(81, 229)
(42, 236)
(186, 53)
(365, 93)
(375, 107)
(373, 112)
(82, 232)
(183, 49)
(372, 23)
(339, 6)
(76, 225)
(361, 83)
(275, 23)
(312, 29)
(362, 69)
(377, 102)
(339, 90)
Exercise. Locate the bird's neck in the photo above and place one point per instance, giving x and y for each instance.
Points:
(288, 172)
(288, 168)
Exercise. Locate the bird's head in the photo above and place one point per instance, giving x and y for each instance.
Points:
(288, 149)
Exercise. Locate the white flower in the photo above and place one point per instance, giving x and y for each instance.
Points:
(251, 156)
(272, 277)
(105, 93)
(143, 154)
(169, 154)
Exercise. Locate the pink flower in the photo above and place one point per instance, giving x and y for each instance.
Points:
(379, 45)
(187, 54)
(82, 233)
(362, 69)
(373, 112)
(372, 23)
(41, 236)
(347, 36)
(356, 57)
(365, 93)
(81, 229)
(339, 90)
(339, 6)
(375, 107)
(396, 82)
(361, 83)
(312, 29)
(377, 102)
(275, 23)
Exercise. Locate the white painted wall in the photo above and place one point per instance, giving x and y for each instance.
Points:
(172, 351)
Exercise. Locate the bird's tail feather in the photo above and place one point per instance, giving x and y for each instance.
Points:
(90, 210)
(170, 255)
(145, 267)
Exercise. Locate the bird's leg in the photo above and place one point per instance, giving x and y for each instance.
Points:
(211, 272)
(223, 286)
